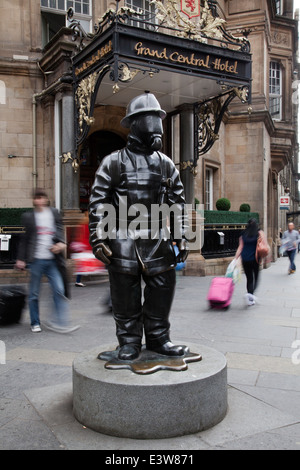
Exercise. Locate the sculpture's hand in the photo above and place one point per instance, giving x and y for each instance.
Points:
(103, 252)
(183, 251)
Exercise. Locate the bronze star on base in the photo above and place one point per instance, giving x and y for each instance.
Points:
(149, 362)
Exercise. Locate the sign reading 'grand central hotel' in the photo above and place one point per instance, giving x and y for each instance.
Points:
(175, 56)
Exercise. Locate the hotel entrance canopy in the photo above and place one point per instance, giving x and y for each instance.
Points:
(170, 55)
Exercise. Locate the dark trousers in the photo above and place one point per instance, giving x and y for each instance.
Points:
(251, 269)
(132, 315)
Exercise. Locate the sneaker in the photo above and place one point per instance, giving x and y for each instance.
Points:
(79, 284)
(249, 299)
(61, 329)
(36, 329)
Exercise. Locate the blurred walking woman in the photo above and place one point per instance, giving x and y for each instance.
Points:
(247, 251)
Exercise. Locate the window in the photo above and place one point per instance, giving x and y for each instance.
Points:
(148, 10)
(278, 7)
(275, 90)
(54, 16)
(80, 6)
(208, 189)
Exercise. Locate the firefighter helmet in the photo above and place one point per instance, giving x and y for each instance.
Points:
(145, 103)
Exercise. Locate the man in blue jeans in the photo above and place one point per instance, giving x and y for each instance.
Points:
(41, 248)
(290, 240)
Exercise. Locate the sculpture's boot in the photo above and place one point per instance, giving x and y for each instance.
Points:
(169, 349)
(129, 352)
(159, 293)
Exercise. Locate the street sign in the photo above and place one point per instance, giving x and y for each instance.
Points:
(284, 202)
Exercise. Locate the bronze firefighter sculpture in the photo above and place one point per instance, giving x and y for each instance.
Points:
(136, 180)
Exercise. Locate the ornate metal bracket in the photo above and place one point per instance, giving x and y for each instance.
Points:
(78, 31)
(208, 118)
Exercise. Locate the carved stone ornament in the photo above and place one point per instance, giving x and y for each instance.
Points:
(210, 25)
(171, 14)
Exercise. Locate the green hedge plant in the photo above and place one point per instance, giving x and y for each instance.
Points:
(11, 216)
(223, 204)
(228, 217)
(245, 207)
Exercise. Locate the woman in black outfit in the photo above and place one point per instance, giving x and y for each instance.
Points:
(247, 251)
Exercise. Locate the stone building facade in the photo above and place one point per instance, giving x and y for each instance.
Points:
(254, 158)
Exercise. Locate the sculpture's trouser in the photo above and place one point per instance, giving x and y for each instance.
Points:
(129, 313)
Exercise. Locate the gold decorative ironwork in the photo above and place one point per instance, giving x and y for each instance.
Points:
(242, 94)
(126, 75)
(207, 116)
(84, 94)
(188, 165)
(68, 156)
(115, 88)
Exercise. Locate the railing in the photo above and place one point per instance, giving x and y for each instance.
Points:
(220, 240)
(215, 245)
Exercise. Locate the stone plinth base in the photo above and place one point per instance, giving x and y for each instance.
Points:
(155, 406)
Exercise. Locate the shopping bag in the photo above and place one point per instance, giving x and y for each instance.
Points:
(234, 270)
(283, 247)
(179, 266)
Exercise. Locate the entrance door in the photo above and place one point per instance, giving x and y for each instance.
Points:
(97, 146)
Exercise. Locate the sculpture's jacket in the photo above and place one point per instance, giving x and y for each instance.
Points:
(127, 179)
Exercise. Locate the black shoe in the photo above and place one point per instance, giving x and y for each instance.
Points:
(169, 349)
(128, 352)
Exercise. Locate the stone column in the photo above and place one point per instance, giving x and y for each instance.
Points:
(70, 179)
(195, 265)
(187, 150)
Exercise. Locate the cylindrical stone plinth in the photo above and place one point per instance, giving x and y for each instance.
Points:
(154, 406)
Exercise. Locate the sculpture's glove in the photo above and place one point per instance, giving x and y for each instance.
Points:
(183, 251)
(103, 252)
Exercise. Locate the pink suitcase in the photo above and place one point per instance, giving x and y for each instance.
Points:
(220, 292)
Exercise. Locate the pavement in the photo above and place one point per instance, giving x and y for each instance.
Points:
(261, 344)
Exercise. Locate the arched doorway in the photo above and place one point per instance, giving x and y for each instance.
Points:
(95, 148)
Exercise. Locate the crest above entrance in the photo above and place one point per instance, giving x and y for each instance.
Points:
(191, 8)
